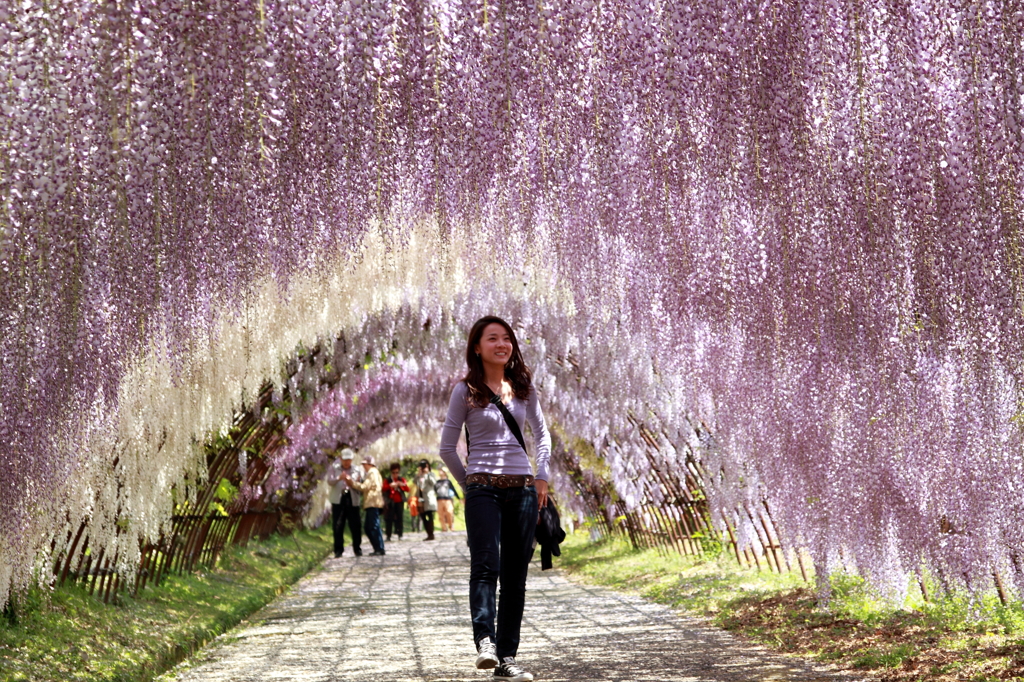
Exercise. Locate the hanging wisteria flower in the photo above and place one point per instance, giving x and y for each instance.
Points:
(788, 234)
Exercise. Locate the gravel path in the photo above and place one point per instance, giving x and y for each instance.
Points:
(405, 616)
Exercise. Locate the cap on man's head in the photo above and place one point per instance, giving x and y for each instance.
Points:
(368, 459)
(424, 463)
(347, 453)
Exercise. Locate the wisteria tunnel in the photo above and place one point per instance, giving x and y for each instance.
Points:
(766, 259)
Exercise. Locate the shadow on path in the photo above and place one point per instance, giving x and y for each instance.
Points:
(405, 617)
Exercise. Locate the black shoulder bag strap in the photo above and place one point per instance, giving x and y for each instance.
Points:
(509, 420)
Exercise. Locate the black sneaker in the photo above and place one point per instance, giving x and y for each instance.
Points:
(487, 654)
(508, 671)
(378, 552)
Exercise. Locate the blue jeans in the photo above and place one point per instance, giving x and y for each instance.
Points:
(371, 524)
(500, 525)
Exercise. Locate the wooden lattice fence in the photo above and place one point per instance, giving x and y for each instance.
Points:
(199, 532)
(672, 514)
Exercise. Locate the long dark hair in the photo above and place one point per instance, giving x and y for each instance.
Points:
(516, 371)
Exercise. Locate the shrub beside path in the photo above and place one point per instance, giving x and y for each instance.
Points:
(405, 617)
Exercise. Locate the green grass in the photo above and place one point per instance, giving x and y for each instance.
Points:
(697, 586)
(64, 634)
(884, 658)
(952, 637)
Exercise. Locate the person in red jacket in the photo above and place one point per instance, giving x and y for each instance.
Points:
(396, 491)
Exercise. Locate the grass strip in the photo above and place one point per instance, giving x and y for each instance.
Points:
(947, 638)
(64, 634)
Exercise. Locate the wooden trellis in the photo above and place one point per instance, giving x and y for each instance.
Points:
(198, 534)
(673, 513)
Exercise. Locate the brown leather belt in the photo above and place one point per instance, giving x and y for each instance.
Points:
(500, 480)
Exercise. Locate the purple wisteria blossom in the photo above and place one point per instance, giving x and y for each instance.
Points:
(796, 226)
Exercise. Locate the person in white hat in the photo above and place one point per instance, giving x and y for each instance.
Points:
(345, 502)
(373, 502)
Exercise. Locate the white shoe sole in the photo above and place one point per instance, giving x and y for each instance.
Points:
(486, 661)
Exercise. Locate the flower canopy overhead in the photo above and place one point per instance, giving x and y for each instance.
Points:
(795, 223)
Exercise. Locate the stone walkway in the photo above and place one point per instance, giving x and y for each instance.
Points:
(405, 617)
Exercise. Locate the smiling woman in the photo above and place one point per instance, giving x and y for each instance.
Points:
(494, 402)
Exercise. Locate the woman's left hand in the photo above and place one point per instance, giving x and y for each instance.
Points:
(542, 493)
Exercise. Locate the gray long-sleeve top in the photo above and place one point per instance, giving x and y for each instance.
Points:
(493, 448)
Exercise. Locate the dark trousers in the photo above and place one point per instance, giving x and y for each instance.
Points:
(500, 524)
(343, 513)
(393, 521)
(372, 527)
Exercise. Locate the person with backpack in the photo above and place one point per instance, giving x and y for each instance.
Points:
(445, 493)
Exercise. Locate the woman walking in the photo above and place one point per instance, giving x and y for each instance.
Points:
(494, 401)
(445, 493)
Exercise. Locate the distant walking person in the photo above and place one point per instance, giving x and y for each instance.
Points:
(373, 502)
(345, 501)
(494, 402)
(396, 491)
(414, 514)
(425, 481)
(445, 492)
